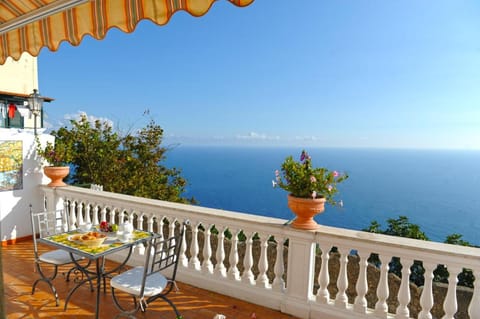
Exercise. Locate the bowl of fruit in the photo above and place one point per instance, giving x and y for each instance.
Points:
(91, 239)
(108, 229)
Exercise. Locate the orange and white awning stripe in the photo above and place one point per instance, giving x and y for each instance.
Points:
(30, 25)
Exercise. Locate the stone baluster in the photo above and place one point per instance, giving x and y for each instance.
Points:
(233, 272)
(278, 282)
(140, 219)
(248, 276)
(79, 213)
(474, 307)
(342, 280)
(194, 261)
(87, 214)
(404, 290)
(104, 214)
(95, 220)
(360, 304)
(220, 269)
(323, 295)
(122, 216)
(64, 221)
(171, 230)
(160, 224)
(130, 215)
(381, 307)
(113, 212)
(426, 300)
(183, 260)
(207, 266)
(73, 214)
(450, 303)
(262, 279)
(171, 227)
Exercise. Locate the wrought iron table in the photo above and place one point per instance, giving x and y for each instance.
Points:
(96, 254)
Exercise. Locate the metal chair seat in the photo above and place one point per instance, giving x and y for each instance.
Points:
(130, 282)
(58, 257)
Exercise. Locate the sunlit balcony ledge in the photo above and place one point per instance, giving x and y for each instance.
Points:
(294, 277)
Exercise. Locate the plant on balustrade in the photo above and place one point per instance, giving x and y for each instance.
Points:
(303, 180)
(56, 154)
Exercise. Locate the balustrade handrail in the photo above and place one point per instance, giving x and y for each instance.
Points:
(404, 246)
(209, 215)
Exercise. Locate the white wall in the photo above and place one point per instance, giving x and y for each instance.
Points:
(14, 205)
(19, 76)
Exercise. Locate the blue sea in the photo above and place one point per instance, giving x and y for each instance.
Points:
(438, 190)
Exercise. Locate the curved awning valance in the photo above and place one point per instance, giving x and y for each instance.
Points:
(30, 25)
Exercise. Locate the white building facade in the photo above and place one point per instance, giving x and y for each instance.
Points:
(20, 171)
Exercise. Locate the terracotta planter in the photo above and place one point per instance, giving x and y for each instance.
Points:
(305, 209)
(56, 174)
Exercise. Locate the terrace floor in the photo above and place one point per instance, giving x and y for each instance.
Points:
(192, 302)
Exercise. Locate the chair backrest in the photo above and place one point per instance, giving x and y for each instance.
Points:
(163, 253)
(47, 223)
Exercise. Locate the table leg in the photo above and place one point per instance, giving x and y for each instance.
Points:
(99, 284)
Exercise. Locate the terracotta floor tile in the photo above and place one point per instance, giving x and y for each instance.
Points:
(193, 302)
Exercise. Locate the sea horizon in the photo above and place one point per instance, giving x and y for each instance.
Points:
(434, 188)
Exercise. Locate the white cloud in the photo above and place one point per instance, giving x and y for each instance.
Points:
(76, 116)
(311, 138)
(257, 136)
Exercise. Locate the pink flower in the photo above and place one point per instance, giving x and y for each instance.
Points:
(330, 187)
(277, 173)
(303, 156)
(313, 179)
(314, 194)
(335, 174)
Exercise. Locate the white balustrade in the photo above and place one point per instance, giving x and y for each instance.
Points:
(342, 280)
(278, 282)
(381, 307)
(360, 305)
(450, 304)
(323, 295)
(404, 292)
(294, 295)
(207, 266)
(194, 261)
(474, 308)
(248, 276)
(233, 272)
(220, 269)
(262, 279)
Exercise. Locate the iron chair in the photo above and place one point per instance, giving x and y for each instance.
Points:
(146, 283)
(47, 223)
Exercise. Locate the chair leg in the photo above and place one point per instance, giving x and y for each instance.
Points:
(47, 280)
(177, 313)
(123, 310)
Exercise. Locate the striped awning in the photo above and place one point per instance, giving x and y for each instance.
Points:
(30, 25)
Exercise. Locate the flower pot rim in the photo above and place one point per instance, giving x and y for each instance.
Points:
(319, 198)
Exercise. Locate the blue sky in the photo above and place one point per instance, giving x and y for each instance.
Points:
(346, 73)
